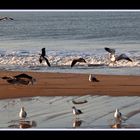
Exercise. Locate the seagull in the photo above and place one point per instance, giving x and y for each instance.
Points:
(20, 79)
(26, 77)
(114, 58)
(22, 113)
(76, 111)
(43, 57)
(13, 80)
(77, 60)
(93, 78)
(118, 115)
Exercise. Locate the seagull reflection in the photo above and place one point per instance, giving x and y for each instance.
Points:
(27, 124)
(116, 125)
(77, 123)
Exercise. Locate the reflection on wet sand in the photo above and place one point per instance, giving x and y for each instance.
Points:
(24, 124)
(27, 124)
(116, 125)
(59, 113)
(77, 123)
(119, 124)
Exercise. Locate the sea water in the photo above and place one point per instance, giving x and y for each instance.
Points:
(67, 35)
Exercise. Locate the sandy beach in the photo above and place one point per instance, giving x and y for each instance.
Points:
(49, 101)
(68, 84)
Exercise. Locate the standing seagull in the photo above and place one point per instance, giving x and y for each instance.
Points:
(77, 60)
(93, 78)
(43, 57)
(22, 113)
(114, 58)
(76, 111)
(117, 116)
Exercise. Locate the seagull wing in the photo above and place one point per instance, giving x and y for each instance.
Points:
(47, 61)
(11, 18)
(80, 111)
(23, 75)
(43, 52)
(123, 56)
(5, 77)
(112, 51)
(40, 59)
(74, 62)
(95, 79)
(25, 114)
(81, 60)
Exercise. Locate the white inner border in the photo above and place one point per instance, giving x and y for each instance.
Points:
(74, 10)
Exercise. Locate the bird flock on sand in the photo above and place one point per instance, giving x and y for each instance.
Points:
(76, 122)
(25, 79)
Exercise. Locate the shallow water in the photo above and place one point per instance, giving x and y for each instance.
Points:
(56, 112)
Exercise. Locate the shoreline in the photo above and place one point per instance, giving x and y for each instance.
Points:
(70, 84)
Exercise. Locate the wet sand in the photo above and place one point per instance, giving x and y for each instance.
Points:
(67, 84)
(55, 112)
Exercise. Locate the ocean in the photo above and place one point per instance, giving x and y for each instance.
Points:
(67, 35)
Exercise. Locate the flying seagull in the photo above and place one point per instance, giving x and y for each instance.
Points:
(114, 58)
(25, 77)
(22, 113)
(76, 111)
(92, 78)
(118, 115)
(77, 60)
(43, 57)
